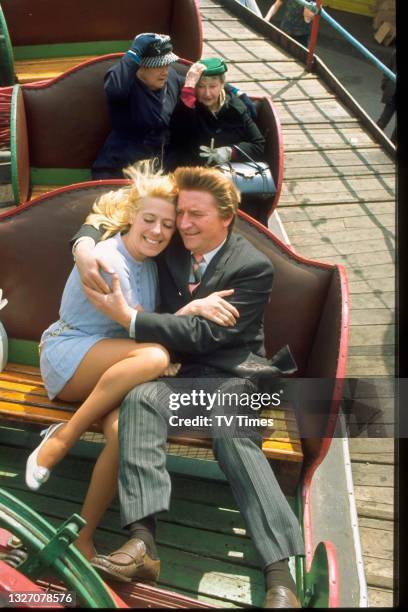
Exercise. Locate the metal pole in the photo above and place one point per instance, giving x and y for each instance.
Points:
(370, 56)
(313, 36)
(317, 8)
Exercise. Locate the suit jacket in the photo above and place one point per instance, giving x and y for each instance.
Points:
(237, 265)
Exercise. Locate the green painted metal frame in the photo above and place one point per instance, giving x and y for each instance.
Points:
(14, 144)
(97, 47)
(23, 351)
(50, 548)
(59, 176)
(7, 76)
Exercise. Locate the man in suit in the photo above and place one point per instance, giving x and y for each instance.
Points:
(205, 256)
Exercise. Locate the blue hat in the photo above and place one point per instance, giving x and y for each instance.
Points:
(158, 53)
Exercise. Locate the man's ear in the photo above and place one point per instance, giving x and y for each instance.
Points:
(227, 221)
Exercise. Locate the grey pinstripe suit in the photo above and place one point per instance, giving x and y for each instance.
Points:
(208, 349)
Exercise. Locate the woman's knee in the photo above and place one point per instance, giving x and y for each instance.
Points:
(157, 357)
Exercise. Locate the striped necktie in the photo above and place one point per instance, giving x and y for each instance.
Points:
(196, 260)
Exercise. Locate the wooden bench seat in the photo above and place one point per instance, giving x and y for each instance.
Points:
(24, 398)
(29, 70)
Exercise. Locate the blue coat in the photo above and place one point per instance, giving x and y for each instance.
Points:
(139, 117)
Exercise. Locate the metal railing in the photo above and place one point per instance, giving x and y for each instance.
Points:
(320, 12)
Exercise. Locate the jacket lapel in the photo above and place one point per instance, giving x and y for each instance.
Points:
(178, 261)
(216, 269)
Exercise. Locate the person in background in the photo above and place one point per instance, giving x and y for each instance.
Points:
(296, 20)
(389, 99)
(142, 90)
(207, 122)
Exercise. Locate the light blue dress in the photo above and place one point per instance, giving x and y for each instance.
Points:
(64, 344)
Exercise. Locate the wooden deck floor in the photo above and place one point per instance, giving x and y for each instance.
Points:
(337, 205)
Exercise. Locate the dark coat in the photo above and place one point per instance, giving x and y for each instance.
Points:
(389, 87)
(192, 127)
(238, 265)
(140, 118)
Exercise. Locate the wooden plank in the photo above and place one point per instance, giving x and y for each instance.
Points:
(215, 13)
(334, 190)
(374, 523)
(310, 112)
(327, 227)
(373, 249)
(378, 285)
(380, 598)
(346, 236)
(371, 502)
(233, 51)
(361, 260)
(374, 475)
(367, 301)
(284, 90)
(377, 543)
(47, 68)
(373, 316)
(228, 30)
(379, 572)
(268, 71)
(341, 163)
(369, 335)
(325, 137)
(379, 350)
(370, 449)
(370, 365)
(343, 211)
(38, 190)
(320, 236)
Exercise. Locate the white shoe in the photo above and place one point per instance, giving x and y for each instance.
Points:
(36, 474)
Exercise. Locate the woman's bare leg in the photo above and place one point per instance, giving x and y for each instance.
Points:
(103, 485)
(116, 366)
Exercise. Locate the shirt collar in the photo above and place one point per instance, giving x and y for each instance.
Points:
(207, 257)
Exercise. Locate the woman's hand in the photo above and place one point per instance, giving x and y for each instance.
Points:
(194, 74)
(88, 265)
(214, 308)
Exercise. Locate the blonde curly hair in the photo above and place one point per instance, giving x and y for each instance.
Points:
(113, 210)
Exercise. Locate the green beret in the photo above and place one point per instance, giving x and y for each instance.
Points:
(214, 66)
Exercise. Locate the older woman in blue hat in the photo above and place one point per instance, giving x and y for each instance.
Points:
(208, 121)
(142, 91)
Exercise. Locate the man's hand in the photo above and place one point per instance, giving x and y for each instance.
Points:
(88, 265)
(112, 305)
(213, 307)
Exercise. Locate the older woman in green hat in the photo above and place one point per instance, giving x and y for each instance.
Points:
(208, 121)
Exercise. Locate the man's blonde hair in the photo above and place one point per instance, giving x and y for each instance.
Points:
(213, 181)
(113, 210)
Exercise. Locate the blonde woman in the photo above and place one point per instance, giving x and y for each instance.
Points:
(86, 355)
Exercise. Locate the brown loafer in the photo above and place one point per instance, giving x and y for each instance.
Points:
(280, 597)
(130, 562)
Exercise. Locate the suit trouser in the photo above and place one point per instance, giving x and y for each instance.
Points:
(144, 483)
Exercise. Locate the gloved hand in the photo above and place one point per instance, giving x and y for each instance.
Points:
(218, 155)
(194, 74)
(140, 44)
